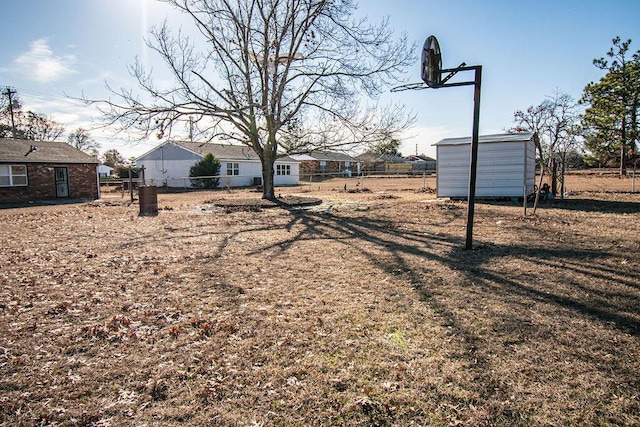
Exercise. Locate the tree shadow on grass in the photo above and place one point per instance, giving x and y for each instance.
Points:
(403, 244)
(543, 295)
(585, 205)
(595, 205)
(535, 288)
(534, 306)
(446, 249)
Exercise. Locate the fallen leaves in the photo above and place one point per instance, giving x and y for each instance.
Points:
(365, 314)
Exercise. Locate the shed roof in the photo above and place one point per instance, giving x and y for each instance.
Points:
(483, 139)
(20, 150)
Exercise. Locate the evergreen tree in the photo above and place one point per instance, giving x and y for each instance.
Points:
(390, 147)
(611, 119)
(209, 166)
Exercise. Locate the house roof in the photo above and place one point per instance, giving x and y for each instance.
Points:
(420, 158)
(373, 157)
(502, 137)
(219, 151)
(20, 150)
(325, 155)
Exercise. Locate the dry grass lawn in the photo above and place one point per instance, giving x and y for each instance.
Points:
(364, 310)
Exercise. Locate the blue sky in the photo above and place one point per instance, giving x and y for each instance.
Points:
(55, 48)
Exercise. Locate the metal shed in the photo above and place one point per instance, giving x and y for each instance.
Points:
(506, 165)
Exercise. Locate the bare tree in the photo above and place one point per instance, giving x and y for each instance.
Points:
(37, 127)
(280, 76)
(81, 139)
(112, 158)
(554, 122)
(17, 123)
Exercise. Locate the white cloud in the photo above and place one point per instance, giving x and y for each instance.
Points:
(42, 65)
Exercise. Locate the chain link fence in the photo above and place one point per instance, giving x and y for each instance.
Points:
(577, 181)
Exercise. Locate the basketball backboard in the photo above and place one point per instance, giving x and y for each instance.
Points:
(432, 62)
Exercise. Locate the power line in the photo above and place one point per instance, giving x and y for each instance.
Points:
(42, 97)
(47, 96)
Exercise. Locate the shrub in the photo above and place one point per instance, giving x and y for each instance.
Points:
(208, 166)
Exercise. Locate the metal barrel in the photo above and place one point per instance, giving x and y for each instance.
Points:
(148, 197)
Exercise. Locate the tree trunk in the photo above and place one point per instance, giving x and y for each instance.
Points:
(268, 191)
(554, 176)
(563, 168)
(623, 148)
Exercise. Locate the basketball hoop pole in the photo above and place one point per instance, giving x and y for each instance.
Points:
(473, 166)
(432, 75)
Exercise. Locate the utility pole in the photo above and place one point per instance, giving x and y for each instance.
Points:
(9, 92)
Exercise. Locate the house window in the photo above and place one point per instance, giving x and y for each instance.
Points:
(323, 165)
(283, 169)
(13, 175)
(233, 168)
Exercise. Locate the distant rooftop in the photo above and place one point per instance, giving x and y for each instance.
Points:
(374, 157)
(325, 155)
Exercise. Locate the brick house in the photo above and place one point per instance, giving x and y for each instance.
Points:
(326, 164)
(422, 164)
(384, 163)
(38, 171)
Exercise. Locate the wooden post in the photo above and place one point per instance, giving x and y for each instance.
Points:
(535, 203)
(131, 184)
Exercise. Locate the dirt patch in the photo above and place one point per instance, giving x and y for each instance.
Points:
(362, 310)
(254, 204)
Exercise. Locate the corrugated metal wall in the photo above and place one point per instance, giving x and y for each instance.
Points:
(503, 169)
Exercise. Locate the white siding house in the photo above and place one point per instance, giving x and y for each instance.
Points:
(104, 171)
(506, 164)
(169, 163)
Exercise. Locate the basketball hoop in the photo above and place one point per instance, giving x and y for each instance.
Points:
(431, 74)
(432, 63)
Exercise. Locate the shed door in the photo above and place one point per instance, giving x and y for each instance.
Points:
(62, 182)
